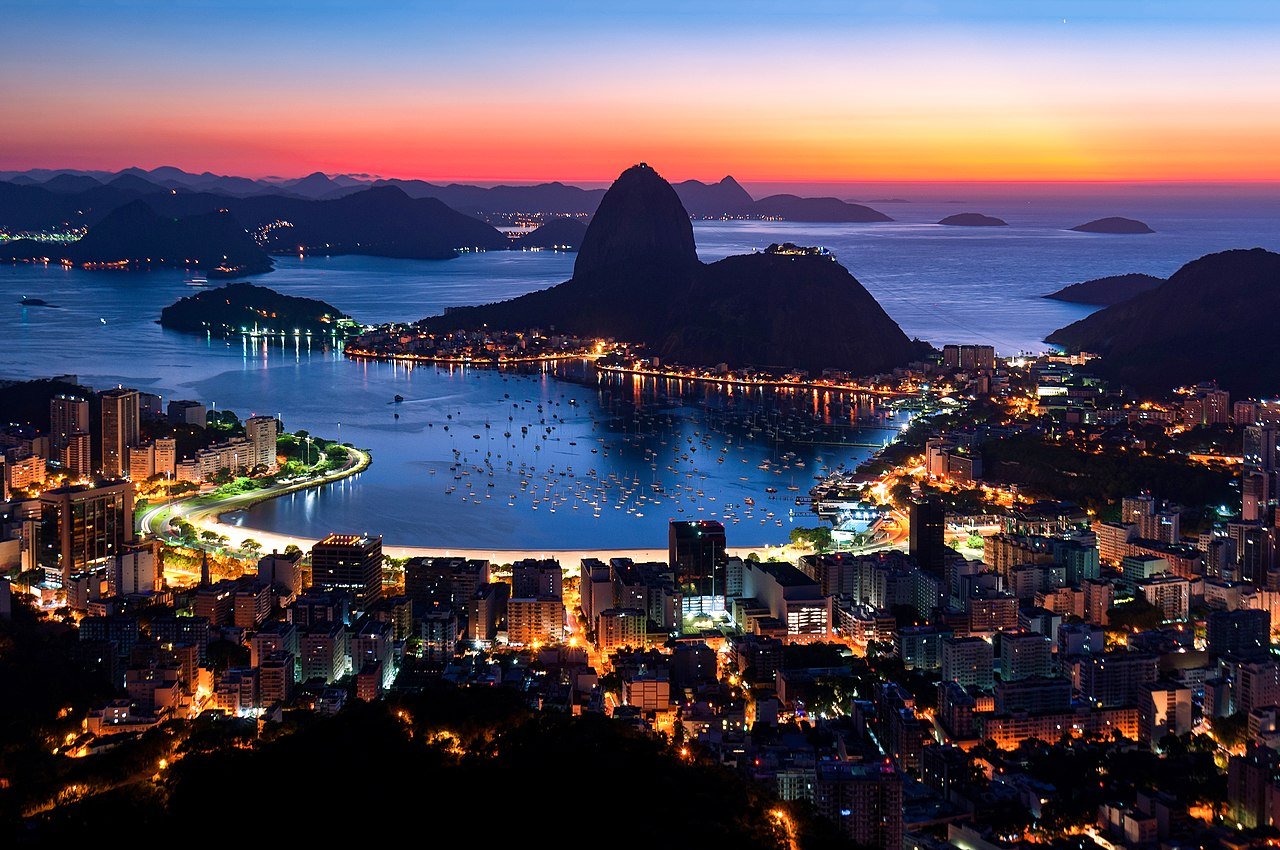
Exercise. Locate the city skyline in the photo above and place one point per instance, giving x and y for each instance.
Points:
(971, 91)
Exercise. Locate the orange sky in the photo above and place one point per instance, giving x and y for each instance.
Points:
(993, 92)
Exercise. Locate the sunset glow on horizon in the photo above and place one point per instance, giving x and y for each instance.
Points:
(835, 92)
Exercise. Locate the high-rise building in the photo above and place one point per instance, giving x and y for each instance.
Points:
(1024, 655)
(969, 357)
(262, 433)
(967, 661)
(1114, 679)
(166, 456)
(135, 569)
(83, 526)
(282, 571)
(351, 564)
(531, 621)
(187, 412)
(120, 422)
(927, 536)
(1164, 709)
(142, 461)
(1243, 633)
(697, 554)
(863, 800)
(1260, 472)
(77, 455)
(532, 578)
(435, 583)
(68, 415)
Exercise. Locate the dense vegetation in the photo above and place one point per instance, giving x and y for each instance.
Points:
(1096, 478)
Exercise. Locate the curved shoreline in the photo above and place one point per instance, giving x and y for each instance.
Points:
(208, 517)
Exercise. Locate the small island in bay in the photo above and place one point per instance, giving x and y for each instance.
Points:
(1113, 224)
(240, 309)
(1114, 289)
(973, 220)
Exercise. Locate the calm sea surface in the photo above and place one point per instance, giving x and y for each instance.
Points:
(590, 462)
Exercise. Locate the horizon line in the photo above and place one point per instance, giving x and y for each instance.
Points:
(967, 181)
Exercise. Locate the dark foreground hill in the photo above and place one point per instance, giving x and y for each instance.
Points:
(1215, 318)
(1106, 291)
(637, 278)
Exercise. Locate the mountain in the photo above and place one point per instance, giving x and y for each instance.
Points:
(562, 233)
(1113, 224)
(136, 235)
(30, 250)
(316, 185)
(1213, 319)
(545, 198)
(637, 278)
(795, 311)
(379, 222)
(640, 224)
(973, 220)
(70, 184)
(227, 310)
(134, 183)
(1107, 290)
(713, 200)
(795, 208)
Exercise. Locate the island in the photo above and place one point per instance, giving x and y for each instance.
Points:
(1113, 224)
(973, 220)
(242, 309)
(1106, 291)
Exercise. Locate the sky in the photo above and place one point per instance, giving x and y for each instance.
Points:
(1026, 90)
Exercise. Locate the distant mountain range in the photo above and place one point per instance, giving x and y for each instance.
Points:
(637, 277)
(318, 214)
(1214, 319)
(726, 198)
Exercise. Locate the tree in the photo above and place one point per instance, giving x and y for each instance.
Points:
(1230, 731)
(819, 538)
(1137, 614)
(251, 546)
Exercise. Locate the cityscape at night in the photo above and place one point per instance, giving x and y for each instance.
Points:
(825, 425)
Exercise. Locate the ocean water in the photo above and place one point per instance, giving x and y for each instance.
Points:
(941, 284)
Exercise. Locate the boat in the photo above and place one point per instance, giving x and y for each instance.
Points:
(398, 399)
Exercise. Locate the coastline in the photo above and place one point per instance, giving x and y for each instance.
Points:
(208, 517)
